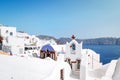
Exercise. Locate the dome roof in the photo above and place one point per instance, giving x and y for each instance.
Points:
(47, 47)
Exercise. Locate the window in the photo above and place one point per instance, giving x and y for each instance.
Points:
(6, 31)
(11, 33)
(26, 48)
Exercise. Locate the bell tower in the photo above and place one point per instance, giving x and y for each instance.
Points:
(73, 37)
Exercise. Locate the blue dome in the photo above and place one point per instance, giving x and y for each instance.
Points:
(47, 47)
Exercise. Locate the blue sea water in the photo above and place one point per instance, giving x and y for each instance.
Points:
(107, 52)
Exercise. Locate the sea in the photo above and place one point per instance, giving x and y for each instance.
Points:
(107, 52)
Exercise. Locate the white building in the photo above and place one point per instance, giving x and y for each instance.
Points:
(80, 60)
(45, 42)
(32, 44)
(6, 31)
(11, 43)
(21, 68)
(16, 43)
(93, 58)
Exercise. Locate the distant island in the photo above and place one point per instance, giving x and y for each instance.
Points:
(95, 41)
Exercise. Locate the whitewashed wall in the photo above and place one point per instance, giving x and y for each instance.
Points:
(55, 75)
(17, 45)
(5, 34)
(110, 71)
(78, 51)
(93, 59)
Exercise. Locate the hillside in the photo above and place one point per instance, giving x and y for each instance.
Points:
(95, 41)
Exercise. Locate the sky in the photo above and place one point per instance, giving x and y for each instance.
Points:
(63, 18)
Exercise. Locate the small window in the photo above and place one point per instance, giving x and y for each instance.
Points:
(26, 48)
(6, 31)
(11, 33)
(30, 48)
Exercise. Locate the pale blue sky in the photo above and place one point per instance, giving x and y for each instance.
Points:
(62, 18)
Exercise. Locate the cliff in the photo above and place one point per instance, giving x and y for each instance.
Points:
(95, 41)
